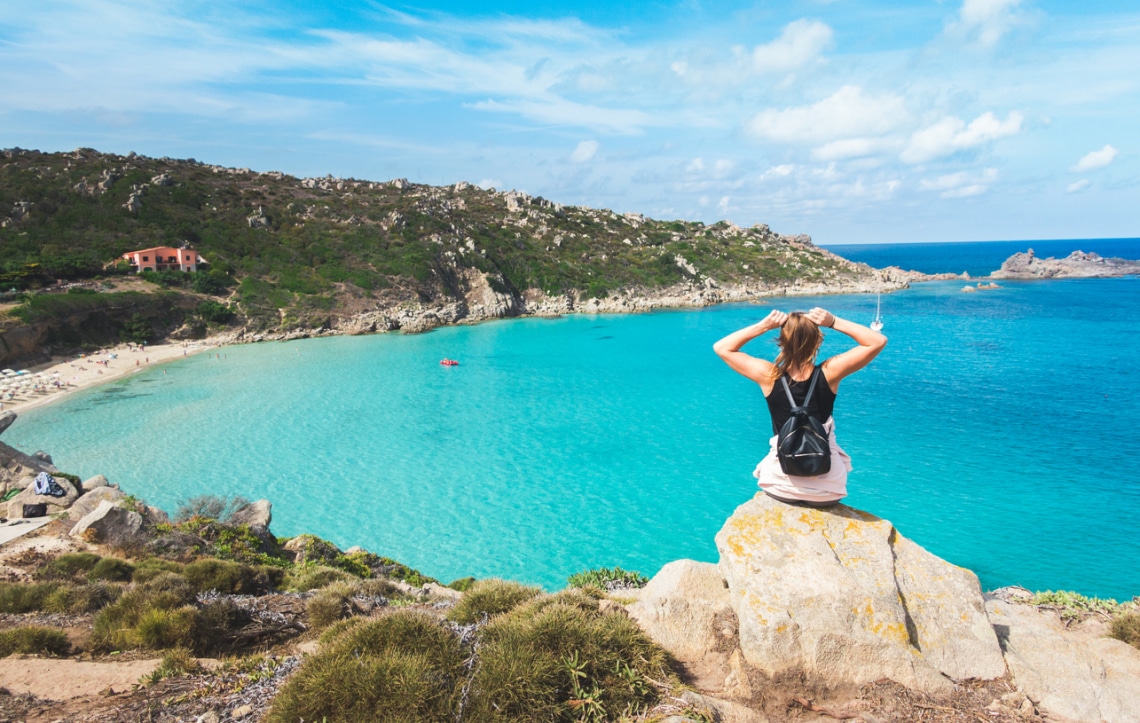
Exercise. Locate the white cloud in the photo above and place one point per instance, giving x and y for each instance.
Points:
(987, 19)
(847, 113)
(961, 184)
(722, 205)
(1077, 186)
(696, 165)
(1095, 159)
(853, 148)
(801, 43)
(951, 135)
(489, 183)
(584, 152)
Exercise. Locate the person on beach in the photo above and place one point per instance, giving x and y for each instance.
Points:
(799, 341)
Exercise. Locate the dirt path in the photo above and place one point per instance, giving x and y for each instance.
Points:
(50, 679)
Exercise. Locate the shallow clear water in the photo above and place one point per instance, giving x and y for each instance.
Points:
(996, 430)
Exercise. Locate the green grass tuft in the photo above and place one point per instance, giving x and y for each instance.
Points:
(489, 598)
(19, 597)
(71, 564)
(402, 668)
(112, 569)
(303, 578)
(33, 640)
(179, 661)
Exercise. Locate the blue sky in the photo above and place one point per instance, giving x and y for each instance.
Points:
(855, 121)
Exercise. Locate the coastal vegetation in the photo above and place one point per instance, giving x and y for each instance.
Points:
(284, 252)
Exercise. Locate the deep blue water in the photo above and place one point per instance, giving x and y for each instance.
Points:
(978, 258)
(996, 429)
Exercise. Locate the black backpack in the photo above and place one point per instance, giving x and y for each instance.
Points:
(801, 444)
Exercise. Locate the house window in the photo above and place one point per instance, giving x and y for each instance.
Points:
(146, 258)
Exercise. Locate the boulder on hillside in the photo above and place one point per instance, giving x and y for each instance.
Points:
(108, 523)
(838, 595)
(310, 548)
(87, 503)
(54, 504)
(15, 466)
(1079, 676)
(6, 419)
(96, 481)
(255, 514)
(687, 610)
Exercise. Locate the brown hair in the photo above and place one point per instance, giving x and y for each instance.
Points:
(799, 341)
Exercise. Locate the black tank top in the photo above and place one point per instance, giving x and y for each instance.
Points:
(821, 405)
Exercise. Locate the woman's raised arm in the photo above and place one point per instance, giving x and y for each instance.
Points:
(728, 348)
(842, 365)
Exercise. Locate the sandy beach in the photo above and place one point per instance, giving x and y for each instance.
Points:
(83, 372)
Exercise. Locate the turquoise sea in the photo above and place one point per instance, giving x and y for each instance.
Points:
(997, 430)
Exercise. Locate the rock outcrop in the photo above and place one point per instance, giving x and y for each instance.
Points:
(1082, 677)
(255, 514)
(839, 595)
(834, 595)
(27, 496)
(110, 524)
(1077, 265)
(86, 504)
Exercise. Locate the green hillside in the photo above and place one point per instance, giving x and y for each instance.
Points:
(287, 250)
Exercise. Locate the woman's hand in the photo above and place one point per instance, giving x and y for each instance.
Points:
(774, 320)
(821, 317)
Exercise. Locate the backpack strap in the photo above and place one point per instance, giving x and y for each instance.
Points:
(811, 388)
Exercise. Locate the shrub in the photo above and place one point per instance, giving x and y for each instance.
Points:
(217, 626)
(113, 569)
(610, 579)
(312, 577)
(211, 507)
(137, 330)
(179, 661)
(559, 656)
(18, 597)
(402, 668)
(331, 604)
(1073, 605)
(152, 567)
(490, 597)
(1126, 627)
(215, 312)
(463, 584)
(116, 626)
(81, 599)
(71, 564)
(230, 577)
(33, 640)
(160, 628)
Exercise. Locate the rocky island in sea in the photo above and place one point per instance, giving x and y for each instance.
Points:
(111, 610)
(1077, 265)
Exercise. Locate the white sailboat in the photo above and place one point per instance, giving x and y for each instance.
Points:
(877, 322)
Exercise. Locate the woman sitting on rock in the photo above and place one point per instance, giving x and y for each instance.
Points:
(799, 342)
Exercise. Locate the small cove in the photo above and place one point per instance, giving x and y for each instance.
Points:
(578, 442)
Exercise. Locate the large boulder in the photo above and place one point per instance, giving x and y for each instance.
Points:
(1079, 676)
(687, 610)
(27, 496)
(108, 523)
(86, 504)
(6, 419)
(16, 466)
(95, 482)
(255, 514)
(838, 595)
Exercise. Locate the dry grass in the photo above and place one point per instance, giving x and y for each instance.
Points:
(488, 598)
(401, 668)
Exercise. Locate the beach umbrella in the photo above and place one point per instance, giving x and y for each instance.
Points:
(23, 372)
